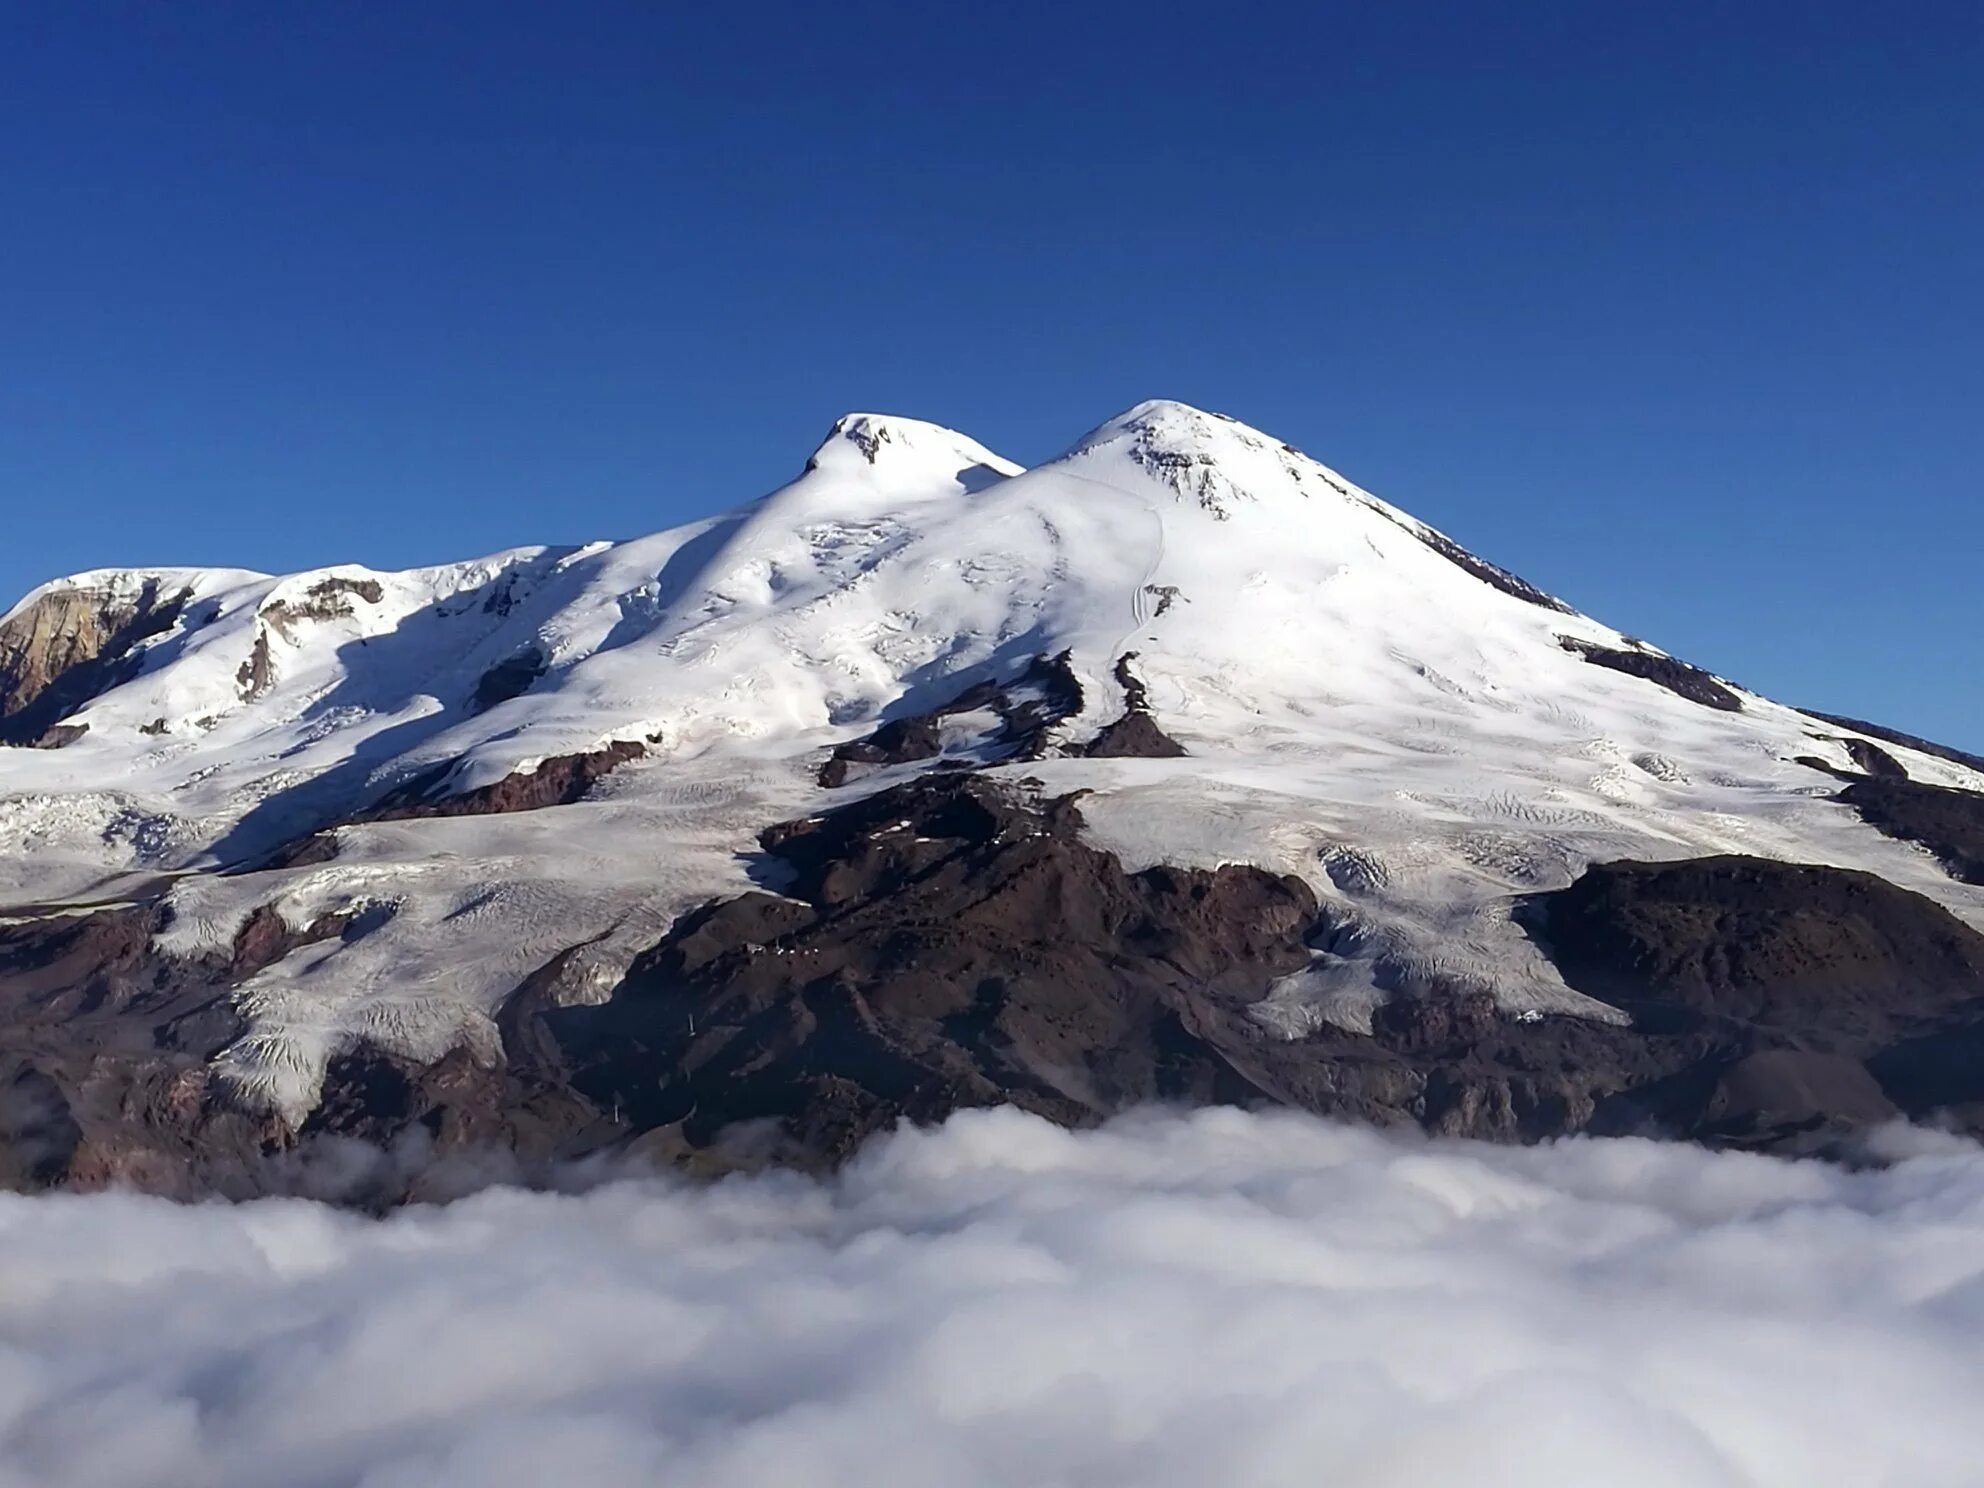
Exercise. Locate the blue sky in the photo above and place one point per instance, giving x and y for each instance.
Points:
(1673, 309)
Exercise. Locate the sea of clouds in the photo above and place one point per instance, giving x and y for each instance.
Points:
(1192, 1300)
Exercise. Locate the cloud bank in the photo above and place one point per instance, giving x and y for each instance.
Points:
(1174, 1301)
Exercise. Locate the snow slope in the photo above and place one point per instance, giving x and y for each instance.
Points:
(1362, 704)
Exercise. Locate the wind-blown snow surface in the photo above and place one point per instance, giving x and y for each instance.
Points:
(1170, 1302)
(1359, 708)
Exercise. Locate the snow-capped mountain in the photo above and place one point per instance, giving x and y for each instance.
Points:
(361, 827)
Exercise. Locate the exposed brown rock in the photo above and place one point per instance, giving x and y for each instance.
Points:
(1492, 574)
(257, 674)
(1792, 1006)
(950, 944)
(1873, 759)
(327, 599)
(70, 645)
(1135, 735)
(897, 742)
(265, 937)
(558, 781)
(104, 1050)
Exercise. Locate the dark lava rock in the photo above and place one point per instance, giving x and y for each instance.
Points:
(558, 781)
(327, 599)
(899, 742)
(1825, 955)
(949, 943)
(1896, 736)
(1041, 696)
(1678, 677)
(1868, 759)
(104, 1050)
(1136, 734)
(1797, 1004)
(1874, 759)
(257, 674)
(106, 1078)
(1950, 823)
(265, 937)
(1133, 736)
(512, 677)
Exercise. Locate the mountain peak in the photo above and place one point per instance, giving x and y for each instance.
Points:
(1211, 459)
(907, 449)
(1166, 422)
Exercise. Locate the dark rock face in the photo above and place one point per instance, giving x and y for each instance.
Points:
(555, 782)
(900, 741)
(1822, 954)
(328, 599)
(71, 646)
(106, 1077)
(1950, 823)
(509, 678)
(1787, 999)
(1136, 734)
(1043, 695)
(104, 1050)
(1678, 677)
(1896, 736)
(1133, 736)
(947, 944)
(1874, 760)
(257, 674)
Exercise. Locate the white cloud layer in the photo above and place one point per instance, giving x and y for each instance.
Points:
(1215, 1299)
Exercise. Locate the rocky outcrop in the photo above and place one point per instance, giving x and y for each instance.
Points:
(1678, 677)
(107, 1079)
(1786, 998)
(1044, 694)
(558, 781)
(104, 1061)
(1136, 735)
(1949, 823)
(942, 944)
(257, 674)
(332, 598)
(1906, 741)
(71, 643)
(509, 678)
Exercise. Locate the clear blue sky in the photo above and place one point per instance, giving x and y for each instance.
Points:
(1674, 308)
